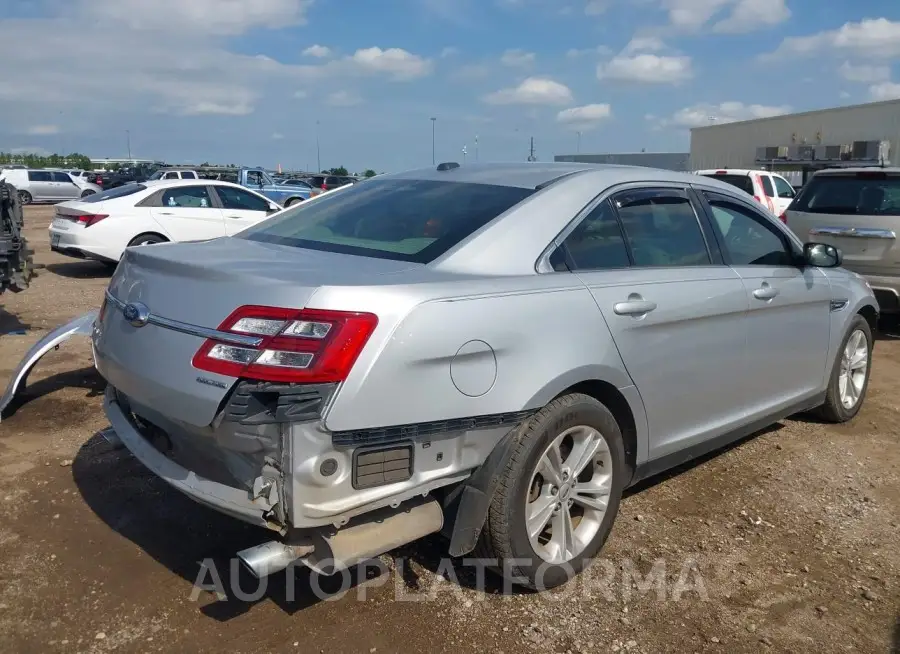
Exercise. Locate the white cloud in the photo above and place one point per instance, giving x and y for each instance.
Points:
(727, 112)
(844, 95)
(647, 69)
(42, 130)
(343, 99)
(885, 91)
(596, 7)
(644, 44)
(864, 73)
(449, 51)
(534, 90)
(471, 72)
(200, 17)
(751, 15)
(317, 51)
(585, 117)
(517, 57)
(692, 14)
(871, 38)
(394, 62)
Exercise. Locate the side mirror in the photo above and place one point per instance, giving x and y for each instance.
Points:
(273, 208)
(822, 255)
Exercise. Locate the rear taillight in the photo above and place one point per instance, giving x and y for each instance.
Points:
(783, 217)
(88, 219)
(306, 346)
(758, 199)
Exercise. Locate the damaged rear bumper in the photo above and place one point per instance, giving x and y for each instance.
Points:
(235, 502)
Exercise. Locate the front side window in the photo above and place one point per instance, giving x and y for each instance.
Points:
(254, 177)
(597, 242)
(400, 219)
(188, 174)
(188, 197)
(748, 238)
(240, 200)
(662, 230)
(171, 176)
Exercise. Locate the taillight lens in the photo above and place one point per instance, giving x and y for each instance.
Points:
(783, 218)
(88, 219)
(304, 346)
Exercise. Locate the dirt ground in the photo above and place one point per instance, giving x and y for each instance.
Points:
(788, 542)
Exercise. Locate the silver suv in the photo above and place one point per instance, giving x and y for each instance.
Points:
(46, 185)
(857, 210)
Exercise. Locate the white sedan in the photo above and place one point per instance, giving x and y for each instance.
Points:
(101, 226)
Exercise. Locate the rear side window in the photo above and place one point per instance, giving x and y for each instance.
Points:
(872, 193)
(768, 189)
(189, 197)
(742, 182)
(597, 242)
(662, 231)
(189, 175)
(38, 176)
(113, 193)
(404, 220)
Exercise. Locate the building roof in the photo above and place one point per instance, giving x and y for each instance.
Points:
(814, 112)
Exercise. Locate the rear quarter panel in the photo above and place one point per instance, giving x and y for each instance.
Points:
(481, 354)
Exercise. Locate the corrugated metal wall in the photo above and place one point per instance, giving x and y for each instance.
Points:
(734, 144)
(666, 160)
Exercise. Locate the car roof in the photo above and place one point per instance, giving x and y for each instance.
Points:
(171, 183)
(887, 170)
(534, 175)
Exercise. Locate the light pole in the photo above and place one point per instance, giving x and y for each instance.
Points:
(465, 152)
(318, 151)
(128, 142)
(476, 148)
(433, 121)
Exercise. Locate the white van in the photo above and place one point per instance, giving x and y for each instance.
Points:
(35, 185)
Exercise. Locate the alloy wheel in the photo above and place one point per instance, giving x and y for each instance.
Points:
(854, 369)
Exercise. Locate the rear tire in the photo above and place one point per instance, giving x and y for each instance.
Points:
(25, 197)
(147, 239)
(849, 380)
(87, 192)
(582, 507)
(292, 202)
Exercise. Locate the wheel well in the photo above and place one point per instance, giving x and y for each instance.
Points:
(142, 235)
(871, 315)
(610, 396)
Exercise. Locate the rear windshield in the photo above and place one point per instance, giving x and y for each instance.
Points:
(118, 192)
(743, 182)
(404, 220)
(868, 194)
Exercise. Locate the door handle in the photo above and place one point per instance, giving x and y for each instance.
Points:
(765, 292)
(166, 213)
(633, 307)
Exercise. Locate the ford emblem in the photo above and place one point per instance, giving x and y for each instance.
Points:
(136, 313)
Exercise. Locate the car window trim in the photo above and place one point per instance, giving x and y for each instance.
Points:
(242, 190)
(786, 240)
(569, 260)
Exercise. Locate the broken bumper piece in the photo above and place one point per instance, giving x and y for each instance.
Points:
(82, 325)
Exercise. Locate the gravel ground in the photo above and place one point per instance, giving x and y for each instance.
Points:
(788, 542)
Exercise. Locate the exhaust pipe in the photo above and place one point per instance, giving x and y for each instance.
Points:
(271, 557)
(362, 539)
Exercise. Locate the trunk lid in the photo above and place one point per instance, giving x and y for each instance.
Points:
(199, 285)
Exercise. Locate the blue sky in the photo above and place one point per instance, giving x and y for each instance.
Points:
(252, 82)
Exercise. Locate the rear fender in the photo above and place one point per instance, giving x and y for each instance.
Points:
(81, 326)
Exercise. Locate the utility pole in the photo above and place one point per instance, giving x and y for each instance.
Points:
(476, 147)
(531, 156)
(433, 121)
(465, 152)
(128, 142)
(318, 151)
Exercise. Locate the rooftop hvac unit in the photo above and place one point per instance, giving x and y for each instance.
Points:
(871, 150)
(832, 152)
(771, 152)
(802, 152)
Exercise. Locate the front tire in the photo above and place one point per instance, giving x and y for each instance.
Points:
(87, 192)
(559, 494)
(25, 197)
(292, 202)
(849, 380)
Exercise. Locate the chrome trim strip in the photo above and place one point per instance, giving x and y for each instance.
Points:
(853, 232)
(193, 330)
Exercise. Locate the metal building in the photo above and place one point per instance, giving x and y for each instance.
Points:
(857, 135)
(678, 161)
